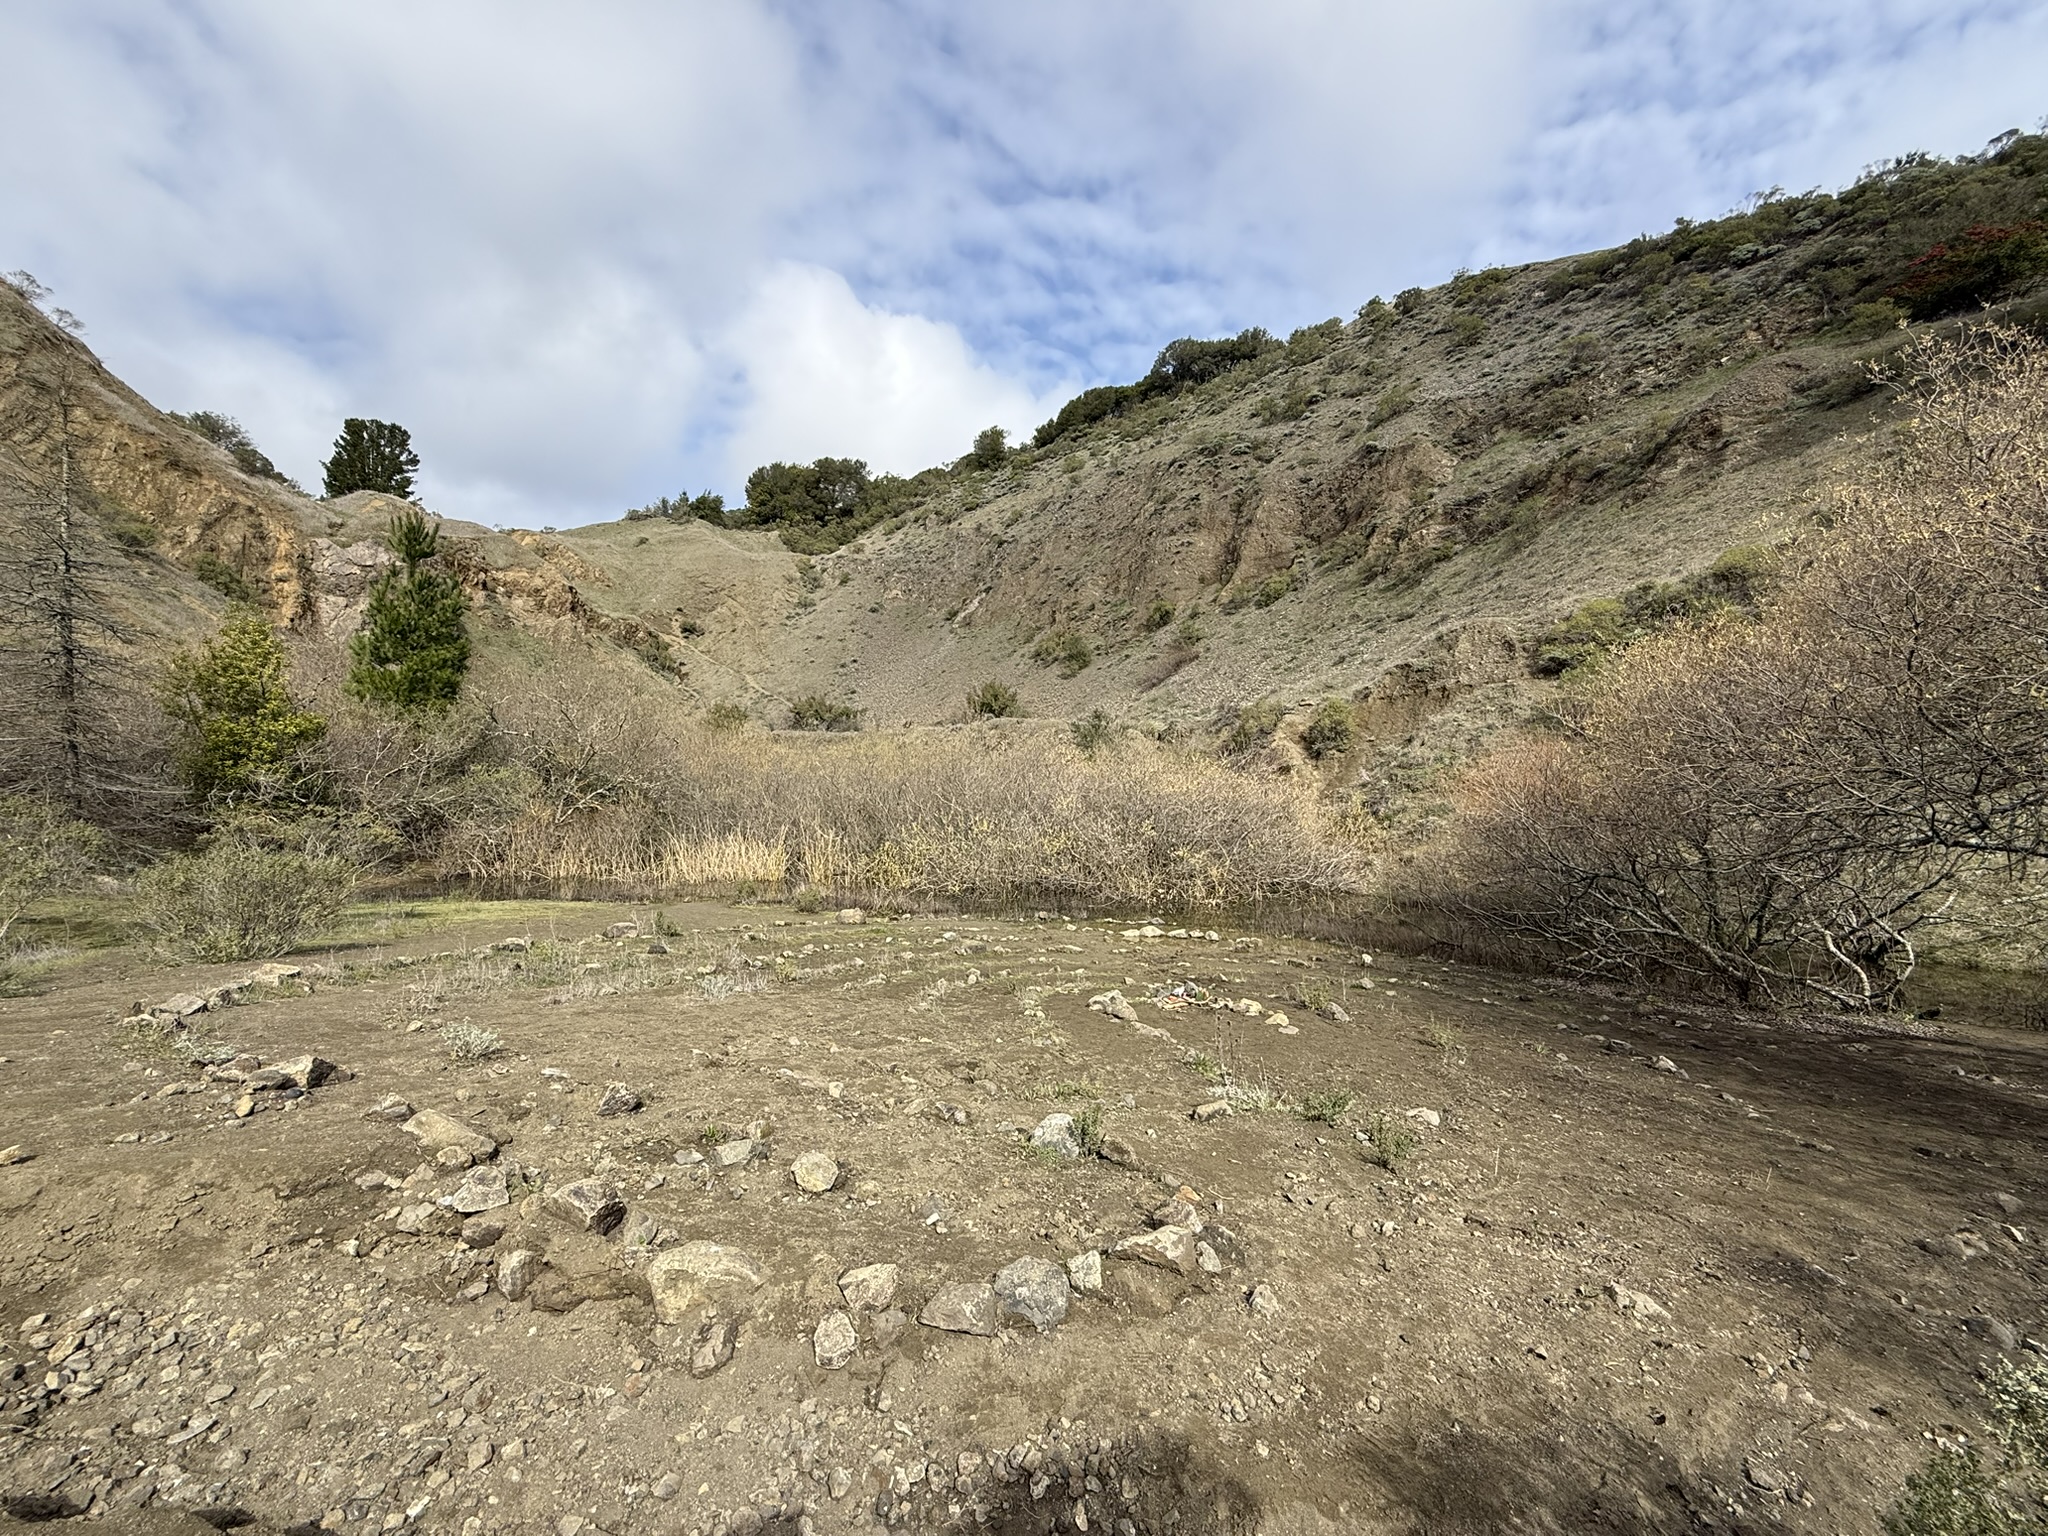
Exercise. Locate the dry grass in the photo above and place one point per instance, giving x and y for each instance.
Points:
(612, 789)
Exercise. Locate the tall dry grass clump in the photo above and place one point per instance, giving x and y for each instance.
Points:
(596, 782)
(1801, 804)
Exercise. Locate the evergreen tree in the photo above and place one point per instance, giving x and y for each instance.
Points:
(244, 734)
(411, 650)
(371, 456)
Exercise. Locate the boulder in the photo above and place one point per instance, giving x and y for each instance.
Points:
(482, 1189)
(305, 1071)
(1115, 1004)
(182, 1006)
(591, 1204)
(1055, 1133)
(815, 1173)
(1167, 1247)
(835, 1340)
(1034, 1291)
(436, 1131)
(870, 1287)
(618, 1100)
(516, 1271)
(963, 1307)
(685, 1280)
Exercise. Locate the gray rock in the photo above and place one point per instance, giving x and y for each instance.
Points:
(305, 1071)
(1215, 1109)
(1205, 1258)
(626, 930)
(1055, 1133)
(835, 1340)
(182, 1006)
(738, 1152)
(852, 915)
(2009, 1204)
(415, 1219)
(687, 1279)
(713, 1344)
(1336, 1015)
(870, 1287)
(516, 1271)
(1999, 1335)
(1115, 1149)
(1167, 1247)
(618, 1100)
(815, 1173)
(1115, 1004)
(1033, 1290)
(1178, 1213)
(591, 1204)
(454, 1157)
(1648, 1308)
(483, 1189)
(963, 1307)
(391, 1107)
(482, 1232)
(436, 1131)
(1263, 1301)
(1084, 1272)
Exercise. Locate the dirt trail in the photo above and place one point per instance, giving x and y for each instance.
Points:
(1645, 1269)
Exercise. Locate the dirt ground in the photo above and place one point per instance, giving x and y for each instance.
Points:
(1646, 1268)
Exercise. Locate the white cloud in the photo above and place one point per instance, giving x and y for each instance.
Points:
(826, 375)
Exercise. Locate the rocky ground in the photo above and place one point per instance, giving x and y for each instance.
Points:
(751, 1221)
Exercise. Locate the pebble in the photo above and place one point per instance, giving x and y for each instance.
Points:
(482, 1232)
(1635, 1302)
(1034, 1291)
(815, 1173)
(835, 1340)
(17, 1153)
(1205, 1257)
(391, 1107)
(965, 1306)
(871, 1287)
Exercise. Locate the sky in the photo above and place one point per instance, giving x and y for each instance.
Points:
(598, 253)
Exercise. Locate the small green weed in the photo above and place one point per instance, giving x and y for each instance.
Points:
(1325, 1107)
(1392, 1142)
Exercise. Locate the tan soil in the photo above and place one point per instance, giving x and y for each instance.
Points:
(1447, 1354)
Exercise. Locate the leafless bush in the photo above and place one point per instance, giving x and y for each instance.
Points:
(1800, 803)
(239, 901)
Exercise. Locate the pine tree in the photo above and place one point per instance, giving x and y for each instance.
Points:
(371, 456)
(244, 734)
(411, 650)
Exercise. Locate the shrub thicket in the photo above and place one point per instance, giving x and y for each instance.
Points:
(42, 852)
(992, 699)
(815, 712)
(228, 433)
(1181, 365)
(238, 900)
(1331, 730)
(1064, 648)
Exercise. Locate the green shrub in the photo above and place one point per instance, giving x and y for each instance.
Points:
(1392, 402)
(1253, 726)
(1409, 300)
(726, 715)
(1292, 406)
(1324, 1107)
(1467, 329)
(1064, 648)
(1736, 582)
(223, 578)
(229, 433)
(815, 712)
(1088, 1129)
(991, 449)
(239, 901)
(1390, 1142)
(1868, 321)
(1093, 731)
(371, 456)
(241, 731)
(992, 699)
(1272, 589)
(1330, 731)
(469, 1043)
(1956, 1494)
(42, 852)
(1158, 616)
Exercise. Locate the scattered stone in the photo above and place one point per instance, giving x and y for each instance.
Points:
(1116, 1005)
(1178, 1212)
(713, 1344)
(1664, 1064)
(736, 1153)
(815, 1173)
(965, 1306)
(1765, 1476)
(2009, 1204)
(453, 1157)
(1955, 1245)
(1336, 1015)
(870, 1287)
(391, 1107)
(305, 1071)
(1648, 1308)
(852, 915)
(436, 1131)
(482, 1232)
(1055, 1133)
(516, 1271)
(1429, 1117)
(835, 1340)
(686, 1279)
(1999, 1335)
(17, 1153)
(183, 1006)
(1167, 1247)
(591, 1204)
(483, 1189)
(1115, 1149)
(1205, 1257)
(1084, 1272)
(1215, 1109)
(1034, 1291)
(1263, 1301)
(415, 1219)
(667, 1487)
(626, 930)
(618, 1100)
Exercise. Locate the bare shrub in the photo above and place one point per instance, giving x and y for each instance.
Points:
(239, 901)
(1800, 803)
